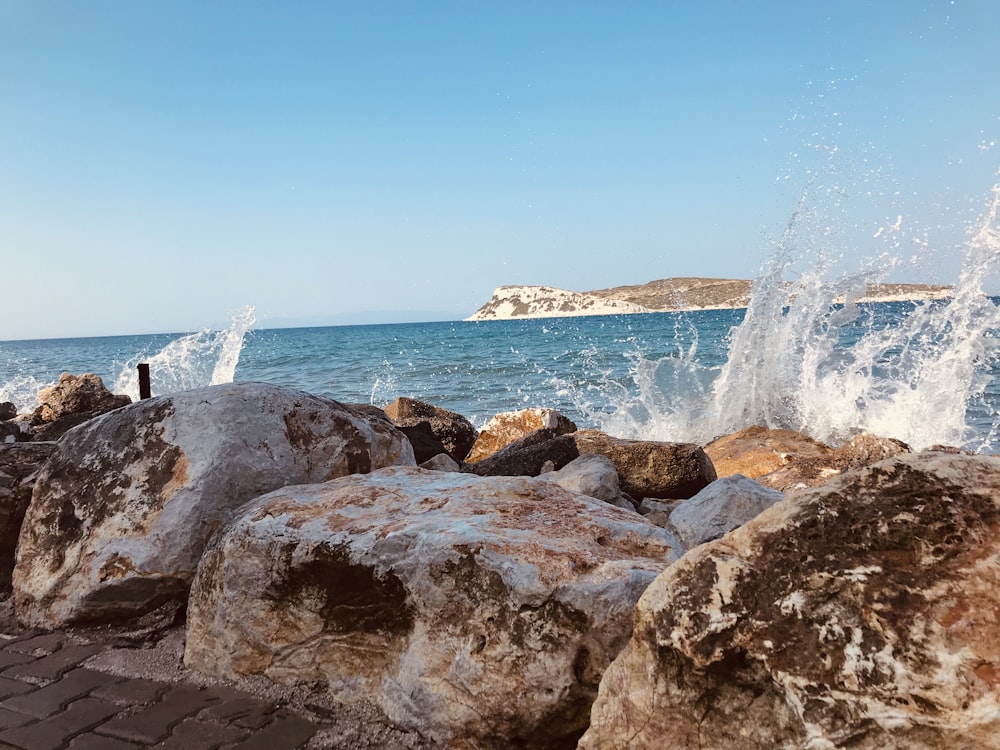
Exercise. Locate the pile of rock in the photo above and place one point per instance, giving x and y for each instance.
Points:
(486, 598)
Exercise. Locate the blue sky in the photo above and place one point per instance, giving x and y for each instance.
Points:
(165, 163)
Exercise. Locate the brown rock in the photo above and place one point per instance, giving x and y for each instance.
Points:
(866, 449)
(527, 456)
(861, 614)
(76, 394)
(509, 427)
(7, 411)
(648, 468)
(454, 431)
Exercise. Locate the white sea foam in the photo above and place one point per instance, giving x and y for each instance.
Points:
(22, 391)
(913, 378)
(199, 359)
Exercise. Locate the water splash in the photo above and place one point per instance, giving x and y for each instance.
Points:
(22, 391)
(808, 357)
(193, 361)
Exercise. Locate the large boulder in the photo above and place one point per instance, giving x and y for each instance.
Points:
(509, 427)
(124, 507)
(862, 614)
(721, 507)
(20, 464)
(479, 611)
(455, 432)
(648, 468)
(72, 401)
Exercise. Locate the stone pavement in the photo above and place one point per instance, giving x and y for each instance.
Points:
(50, 701)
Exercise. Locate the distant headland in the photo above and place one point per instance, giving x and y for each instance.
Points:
(663, 295)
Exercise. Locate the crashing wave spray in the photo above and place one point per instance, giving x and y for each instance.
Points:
(193, 361)
(807, 357)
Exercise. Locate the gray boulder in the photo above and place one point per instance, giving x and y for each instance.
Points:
(123, 509)
(722, 506)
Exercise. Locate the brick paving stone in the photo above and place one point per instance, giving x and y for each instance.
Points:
(285, 732)
(154, 722)
(91, 741)
(14, 658)
(132, 692)
(55, 731)
(11, 719)
(242, 710)
(52, 698)
(46, 643)
(14, 687)
(192, 734)
(53, 666)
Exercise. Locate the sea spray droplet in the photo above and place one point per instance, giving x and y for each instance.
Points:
(193, 361)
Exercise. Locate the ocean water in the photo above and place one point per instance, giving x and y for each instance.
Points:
(886, 367)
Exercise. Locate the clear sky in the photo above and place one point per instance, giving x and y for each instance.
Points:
(163, 164)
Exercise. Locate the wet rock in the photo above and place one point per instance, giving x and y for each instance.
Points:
(535, 453)
(7, 411)
(479, 611)
(861, 613)
(124, 507)
(780, 459)
(722, 506)
(19, 467)
(453, 430)
(594, 476)
(425, 443)
(866, 449)
(512, 426)
(648, 468)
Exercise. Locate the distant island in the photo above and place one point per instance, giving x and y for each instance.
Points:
(663, 295)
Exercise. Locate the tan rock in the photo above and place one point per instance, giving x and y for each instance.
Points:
(479, 611)
(511, 426)
(861, 614)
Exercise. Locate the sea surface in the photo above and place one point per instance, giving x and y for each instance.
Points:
(925, 373)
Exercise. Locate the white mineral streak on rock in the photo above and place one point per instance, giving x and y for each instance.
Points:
(864, 614)
(481, 611)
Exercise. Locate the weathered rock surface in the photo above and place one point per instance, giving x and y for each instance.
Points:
(758, 451)
(455, 432)
(72, 401)
(509, 427)
(20, 464)
(866, 449)
(649, 468)
(591, 475)
(722, 506)
(123, 509)
(480, 611)
(862, 614)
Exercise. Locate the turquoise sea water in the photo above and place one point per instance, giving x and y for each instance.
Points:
(830, 371)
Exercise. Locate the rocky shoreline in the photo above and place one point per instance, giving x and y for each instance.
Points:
(529, 584)
(662, 295)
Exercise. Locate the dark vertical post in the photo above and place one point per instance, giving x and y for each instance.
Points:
(144, 391)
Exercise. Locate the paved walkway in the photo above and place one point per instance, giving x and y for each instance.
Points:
(49, 701)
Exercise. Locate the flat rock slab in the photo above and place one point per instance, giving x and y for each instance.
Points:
(125, 505)
(479, 611)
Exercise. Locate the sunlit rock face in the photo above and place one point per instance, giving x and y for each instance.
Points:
(124, 507)
(864, 613)
(508, 427)
(479, 611)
